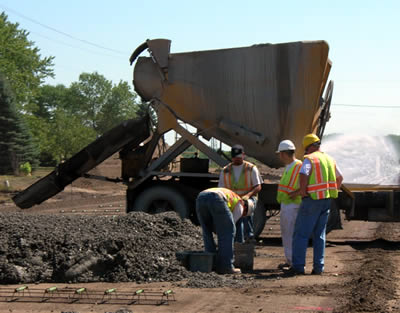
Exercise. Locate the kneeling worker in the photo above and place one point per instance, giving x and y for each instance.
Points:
(219, 209)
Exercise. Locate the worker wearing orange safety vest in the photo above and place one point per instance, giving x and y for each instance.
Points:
(320, 180)
(243, 178)
(218, 209)
(288, 195)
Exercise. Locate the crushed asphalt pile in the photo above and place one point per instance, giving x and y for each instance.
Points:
(136, 247)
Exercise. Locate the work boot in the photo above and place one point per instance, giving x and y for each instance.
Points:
(293, 272)
(314, 272)
(284, 266)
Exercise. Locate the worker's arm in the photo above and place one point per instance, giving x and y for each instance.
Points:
(305, 172)
(256, 189)
(339, 180)
(339, 177)
(295, 193)
(256, 181)
(303, 185)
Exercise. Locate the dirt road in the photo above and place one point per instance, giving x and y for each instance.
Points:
(362, 272)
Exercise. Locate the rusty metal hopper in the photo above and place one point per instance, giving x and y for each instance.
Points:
(255, 96)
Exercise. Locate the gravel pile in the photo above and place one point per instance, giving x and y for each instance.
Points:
(137, 247)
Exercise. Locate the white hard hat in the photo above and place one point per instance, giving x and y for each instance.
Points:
(286, 145)
(250, 207)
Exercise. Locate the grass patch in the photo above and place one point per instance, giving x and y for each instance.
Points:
(18, 183)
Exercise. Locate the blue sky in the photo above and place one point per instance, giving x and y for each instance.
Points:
(363, 37)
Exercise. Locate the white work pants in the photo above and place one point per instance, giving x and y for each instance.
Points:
(288, 217)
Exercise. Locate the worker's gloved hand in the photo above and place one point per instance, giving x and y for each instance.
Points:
(245, 198)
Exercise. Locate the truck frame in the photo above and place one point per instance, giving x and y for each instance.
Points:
(254, 96)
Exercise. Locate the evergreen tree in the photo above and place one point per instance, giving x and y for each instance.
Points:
(16, 145)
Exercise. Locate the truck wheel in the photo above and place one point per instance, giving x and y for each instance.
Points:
(161, 199)
(259, 219)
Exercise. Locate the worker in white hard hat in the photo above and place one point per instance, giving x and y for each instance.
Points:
(288, 195)
(243, 178)
(218, 209)
(320, 181)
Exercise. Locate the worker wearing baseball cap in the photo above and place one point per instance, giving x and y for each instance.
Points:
(243, 178)
(320, 180)
(219, 209)
(288, 196)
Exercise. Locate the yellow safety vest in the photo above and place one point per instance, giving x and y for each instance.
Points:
(289, 182)
(231, 197)
(243, 184)
(322, 181)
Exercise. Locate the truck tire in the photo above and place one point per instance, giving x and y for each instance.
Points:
(161, 199)
(259, 219)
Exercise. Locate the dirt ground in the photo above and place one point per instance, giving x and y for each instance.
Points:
(362, 262)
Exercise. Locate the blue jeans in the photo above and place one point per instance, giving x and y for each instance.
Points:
(245, 227)
(310, 222)
(213, 213)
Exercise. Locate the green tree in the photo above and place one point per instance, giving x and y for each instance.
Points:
(100, 104)
(120, 106)
(89, 95)
(41, 119)
(21, 62)
(60, 137)
(142, 109)
(64, 120)
(42, 134)
(48, 99)
(68, 135)
(16, 143)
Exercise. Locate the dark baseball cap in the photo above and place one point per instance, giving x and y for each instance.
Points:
(237, 150)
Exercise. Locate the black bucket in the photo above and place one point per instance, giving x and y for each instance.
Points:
(244, 256)
(196, 261)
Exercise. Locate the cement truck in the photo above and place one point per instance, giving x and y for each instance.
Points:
(255, 96)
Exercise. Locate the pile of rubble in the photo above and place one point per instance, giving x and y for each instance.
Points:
(136, 247)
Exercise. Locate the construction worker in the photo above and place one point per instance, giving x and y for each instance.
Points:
(288, 196)
(320, 180)
(218, 209)
(243, 178)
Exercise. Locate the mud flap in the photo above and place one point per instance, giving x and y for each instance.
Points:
(334, 219)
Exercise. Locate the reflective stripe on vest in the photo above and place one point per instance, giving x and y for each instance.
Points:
(243, 184)
(289, 182)
(231, 197)
(322, 182)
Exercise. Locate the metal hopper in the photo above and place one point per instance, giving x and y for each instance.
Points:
(255, 96)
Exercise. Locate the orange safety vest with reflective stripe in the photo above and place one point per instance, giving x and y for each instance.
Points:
(231, 197)
(322, 181)
(289, 182)
(243, 184)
